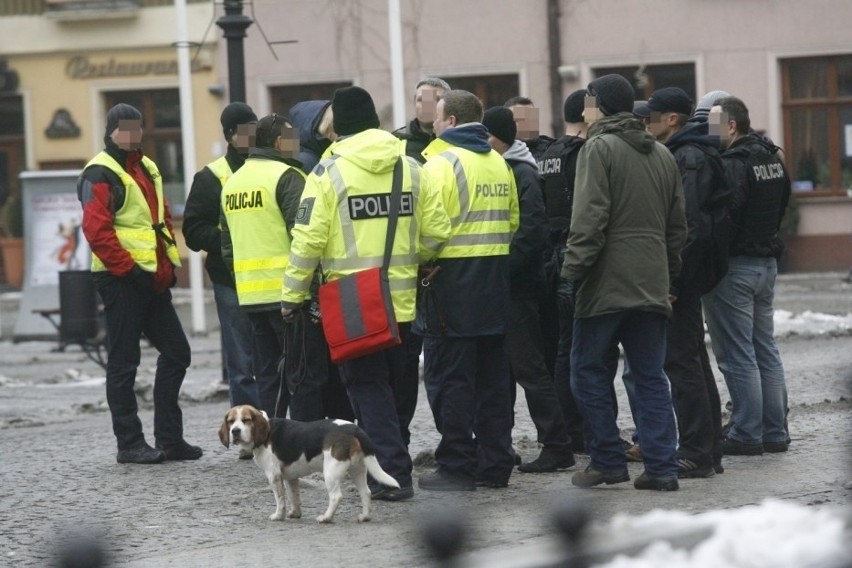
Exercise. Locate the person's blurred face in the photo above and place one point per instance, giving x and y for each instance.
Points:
(128, 135)
(591, 112)
(526, 119)
(426, 104)
(442, 122)
(288, 142)
(244, 137)
(719, 125)
(661, 125)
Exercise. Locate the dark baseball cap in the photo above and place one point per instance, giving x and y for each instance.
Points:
(668, 99)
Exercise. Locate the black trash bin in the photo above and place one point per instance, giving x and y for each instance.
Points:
(78, 306)
(80, 320)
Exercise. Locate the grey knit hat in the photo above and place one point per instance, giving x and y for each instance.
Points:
(705, 103)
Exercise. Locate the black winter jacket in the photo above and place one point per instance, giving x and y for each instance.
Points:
(201, 218)
(416, 139)
(700, 165)
(529, 243)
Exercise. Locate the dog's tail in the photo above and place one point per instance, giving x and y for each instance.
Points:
(378, 473)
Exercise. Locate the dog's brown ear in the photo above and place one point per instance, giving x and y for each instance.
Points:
(224, 436)
(259, 429)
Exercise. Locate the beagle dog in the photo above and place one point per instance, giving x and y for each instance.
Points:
(288, 449)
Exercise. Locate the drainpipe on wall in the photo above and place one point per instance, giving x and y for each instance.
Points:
(554, 51)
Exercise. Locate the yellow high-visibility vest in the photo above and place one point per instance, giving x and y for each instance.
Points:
(134, 224)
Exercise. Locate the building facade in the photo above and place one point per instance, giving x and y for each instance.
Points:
(791, 62)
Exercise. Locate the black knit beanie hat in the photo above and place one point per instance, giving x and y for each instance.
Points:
(353, 111)
(121, 111)
(573, 108)
(235, 114)
(614, 94)
(500, 122)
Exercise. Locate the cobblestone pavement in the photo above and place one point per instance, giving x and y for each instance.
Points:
(58, 474)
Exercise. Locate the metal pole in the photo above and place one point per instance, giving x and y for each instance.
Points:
(554, 50)
(397, 70)
(234, 24)
(187, 122)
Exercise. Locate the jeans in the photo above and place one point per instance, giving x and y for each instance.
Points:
(643, 336)
(739, 316)
(369, 380)
(130, 313)
(237, 347)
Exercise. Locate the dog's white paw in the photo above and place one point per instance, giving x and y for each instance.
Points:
(323, 519)
(276, 516)
(363, 518)
(294, 514)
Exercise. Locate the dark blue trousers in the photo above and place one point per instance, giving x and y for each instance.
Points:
(369, 381)
(130, 313)
(468, 385)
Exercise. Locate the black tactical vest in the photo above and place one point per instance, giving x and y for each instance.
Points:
(768, 194)
(557, 167)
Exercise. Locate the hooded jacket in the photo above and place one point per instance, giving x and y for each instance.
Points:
(469, 294)
(526, 252)
(306, 116)
(342, 220)
(628, 224)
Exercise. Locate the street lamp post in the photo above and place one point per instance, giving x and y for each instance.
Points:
(234, 23)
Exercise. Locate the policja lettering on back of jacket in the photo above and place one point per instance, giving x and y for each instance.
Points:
(244, 200)
(768, 171)
(378, 205)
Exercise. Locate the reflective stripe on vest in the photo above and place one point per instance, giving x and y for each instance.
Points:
(470, 227)
(259, 237)
(133, 222)
(402, 271)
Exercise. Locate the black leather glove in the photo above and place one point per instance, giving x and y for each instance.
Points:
(566, 294)
(142, 280)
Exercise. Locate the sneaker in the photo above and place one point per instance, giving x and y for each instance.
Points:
(548, 461)
(731, 447)
(388, 493)
(182, 451)
(141, 453)
(775, 447)
(440, 480)
(687, 469)
(634, 453)
(591, 477)
(645, 481)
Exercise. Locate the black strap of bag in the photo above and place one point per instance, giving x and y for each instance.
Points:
(393, 213)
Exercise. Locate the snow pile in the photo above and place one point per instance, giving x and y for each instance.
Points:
(774, 534)
(810, 323)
